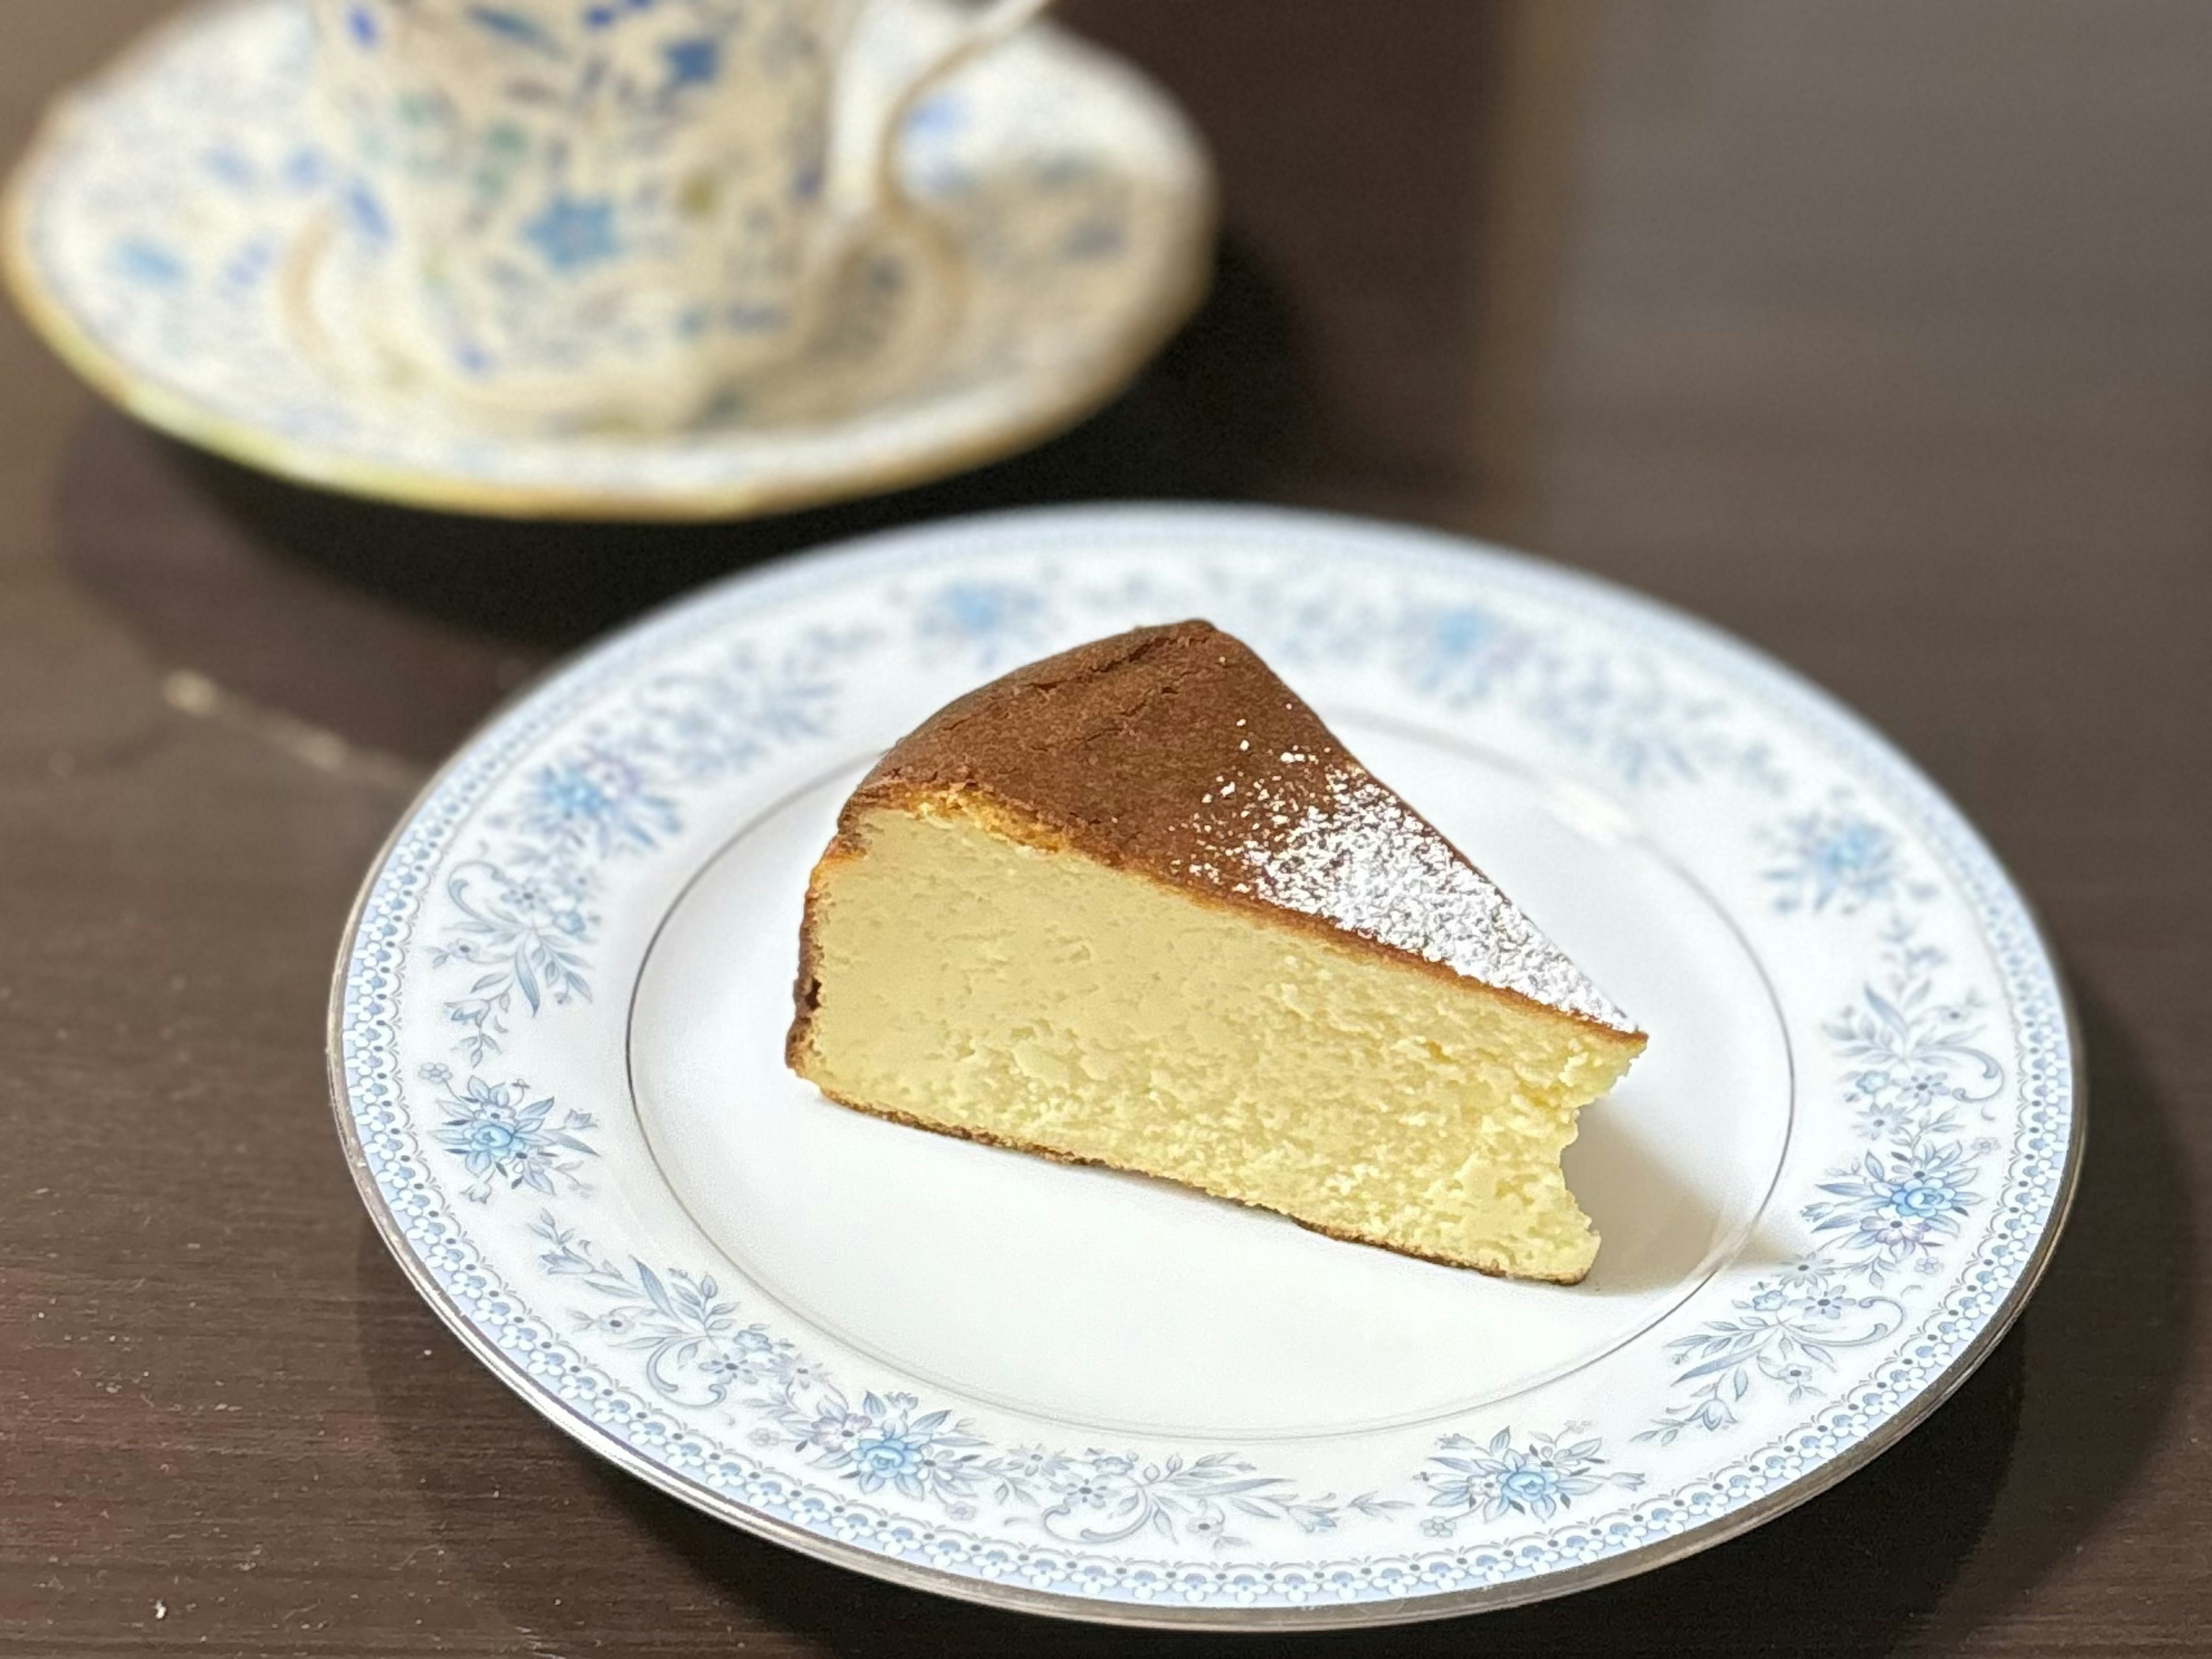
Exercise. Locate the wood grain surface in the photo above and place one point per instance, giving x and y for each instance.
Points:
(1880, 333)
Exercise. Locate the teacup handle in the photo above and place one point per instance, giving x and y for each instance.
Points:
(878, 194)
(984, 26)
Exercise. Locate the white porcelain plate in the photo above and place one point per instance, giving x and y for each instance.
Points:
(1824, 1191)
(159, 235)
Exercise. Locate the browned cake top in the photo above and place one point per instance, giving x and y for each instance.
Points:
(1136, 746)
(1176, 751)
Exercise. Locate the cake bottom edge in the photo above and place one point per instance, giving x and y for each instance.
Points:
(985, 1138)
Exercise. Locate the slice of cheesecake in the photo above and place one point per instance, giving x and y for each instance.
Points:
(1133, 905)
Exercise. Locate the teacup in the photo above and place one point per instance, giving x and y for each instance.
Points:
(609, 213)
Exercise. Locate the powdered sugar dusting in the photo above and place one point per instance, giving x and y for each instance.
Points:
(1361, 860)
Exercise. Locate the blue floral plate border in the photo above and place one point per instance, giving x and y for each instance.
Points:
(502, 933)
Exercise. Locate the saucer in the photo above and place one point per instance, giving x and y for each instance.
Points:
(160, 233)
(1826, 1189)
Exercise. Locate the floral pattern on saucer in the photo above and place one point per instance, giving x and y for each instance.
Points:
(160, 236)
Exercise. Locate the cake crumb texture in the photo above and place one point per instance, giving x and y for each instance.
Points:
(986, 986)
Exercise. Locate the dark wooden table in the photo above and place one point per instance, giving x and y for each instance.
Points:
(1880, 333)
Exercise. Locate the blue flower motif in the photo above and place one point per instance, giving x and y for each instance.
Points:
(1922, 1089)
(1532, 1487)
(1458, 653)
(500, 1135)
(148, 263)
(1835, 856)
(1897, 1235)
(513, 26)
(994, 620)
(573, 233)
(1089, 1491)
(697, 62)
(366, 213)
(597, 799)
(1919, 1199)
(1824, 1306)
(1897, 1207)
(880, 1457)
(884, 1442)
(306, 169)
(488, 1143)
(936, 116)
(1538, 1478)
(361, 25)
(1799, 1378)
(231, 166)
(982, 608)
(834, 1432)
